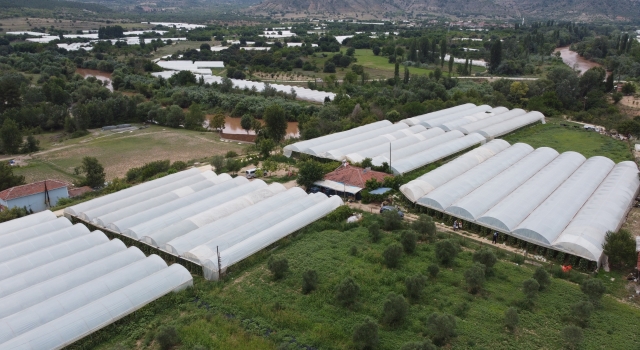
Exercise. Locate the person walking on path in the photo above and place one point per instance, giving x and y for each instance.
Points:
(495, 237)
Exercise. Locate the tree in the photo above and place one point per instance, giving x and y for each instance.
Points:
(309, 172)
(581, 312)
(395, 310)
(10, 136)
(392, 255)
(530, 288)
(374, 232)
(7, 178)
(591, 80)
(30, 145)
(396, 72)
(409, 241)
(217, 162)
(437, 74)
(620, 248)
(433, 270)
(441, 328)
(443, 51)
(351, 51)
(628, 88)
(474, 277)
(617, 97)
(425, 227)
(446, 252)
(572, 336)
(347, 291)
(393, 116)
(415, 285)
(486, 257)
(594, 289)
(406, 76)
(495, 55)
(205, 47)
(93, 172)
(451, 61)
(266, 146)
(365, 335)
(608, 85)
(278, 267)
(542, 276)
(194, 118)
(425, 345)
(275, 122)
(218, 121)
(511, 319)
(329, 67)
(391, 221)
(376, 50)
(518, 90)
(183, 78)
(167, 337)
(175, 116)
(233, 165)
(309, 281)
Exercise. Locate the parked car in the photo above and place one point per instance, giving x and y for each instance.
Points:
(391, 208)
(314, 189)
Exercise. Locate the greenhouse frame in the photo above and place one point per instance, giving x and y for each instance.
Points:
(563, 202)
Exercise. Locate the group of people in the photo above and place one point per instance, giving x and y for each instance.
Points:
(457, 225)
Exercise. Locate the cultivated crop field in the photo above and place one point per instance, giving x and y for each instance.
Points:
(252, 310)
(119, 152)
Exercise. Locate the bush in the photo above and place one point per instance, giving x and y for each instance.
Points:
(475, 278)
(178, 165)
(594, 289)
(374, 232)
(231, 154)
(392, 255)
(395, 310)
(391, 221)
(542, 276)
(147, 171)
(433, 270)
(425, 345)
(309, 281)
(409, 240)
(217, 162)
(278, 267)
(415, 285)
(167, 338)
(572, 336)
(620, 248)
(425, 227)
(353, 251)
(446, 252)
(487, 258)
(365, 335)
(347, 291)
(441, 328)
(581, 312)
(341, 214)
(511, 319)
(530, 288)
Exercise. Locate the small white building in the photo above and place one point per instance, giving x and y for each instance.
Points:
(37, 196)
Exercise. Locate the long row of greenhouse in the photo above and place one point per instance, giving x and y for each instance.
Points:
(560, 201)
(60, 282)
(204, 217)
(418, 141)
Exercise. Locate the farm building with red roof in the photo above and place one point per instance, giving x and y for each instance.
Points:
(36, 196)
(349, 179)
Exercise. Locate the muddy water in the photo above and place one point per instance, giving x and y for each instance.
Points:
(573, 60)
(102, 76)
(232, 126)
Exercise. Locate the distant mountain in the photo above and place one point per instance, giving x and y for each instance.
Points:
(583, 10)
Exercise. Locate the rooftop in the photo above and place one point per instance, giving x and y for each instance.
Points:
(354, 176)
(31, 189)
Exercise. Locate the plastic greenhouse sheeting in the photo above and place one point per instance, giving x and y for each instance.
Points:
(426, 183)
(267, 237)
(81, 322)
(510, 125)
(507, 214)
(601, 213)
(480, 124)
(417, 119)
(322, 149)
(304, 145)
(25, 221)
(476, 203)
(432, 123)
(473, 118)
(340, 153)
(157, 201)
(182, 244)
(229, 238)
(155, 223)
(42, 241)
(38, 293)
(33, 231)
(436, 153)
(160, 238)
(445, 195)
(128, 192)
(165, 208)
(154, 192)
(383, 148)
(44, 272)
(398, 154)
(563, 204)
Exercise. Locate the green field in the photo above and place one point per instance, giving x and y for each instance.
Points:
(568, 138)
(251, 306)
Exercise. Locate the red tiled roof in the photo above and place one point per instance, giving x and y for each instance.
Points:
(354, 176)
(30, 189)
(74, 192)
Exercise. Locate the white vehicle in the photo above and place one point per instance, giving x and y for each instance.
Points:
(251, 173)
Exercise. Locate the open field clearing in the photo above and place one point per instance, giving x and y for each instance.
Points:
(118, 152)
(29, 23)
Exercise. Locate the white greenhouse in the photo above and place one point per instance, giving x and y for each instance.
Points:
(559, 201)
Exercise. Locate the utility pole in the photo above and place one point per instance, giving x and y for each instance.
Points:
(389, 156)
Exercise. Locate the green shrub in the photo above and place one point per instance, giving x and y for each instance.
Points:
(365, 335)
(374, 232)
(620, 248)
(518, 259)
(278, 267)
(391, 221)
(309, 281)
(487, 258)
(415, 285)
(560, 257)
(425, 227)
(511, 319)
(594, 289)
(167, 338)
(395, 310)
(446, 252)
(425, 345)
(231, 154)
(572, 337)
(392, 255)
(441, 328)
(341, 214)
(353, 251)
(581, 313)
(542, 276)
(433, 270)
(147, 171)
(347, 291)
(217, 162)
(475, 278)
(530, 288)
(409, 240)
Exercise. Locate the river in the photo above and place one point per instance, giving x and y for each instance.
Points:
(232, 126)
(100, 75)
(573, 60)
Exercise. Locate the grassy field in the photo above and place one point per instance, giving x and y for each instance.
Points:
(250, 304)
(563, 138)
(118, 152)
